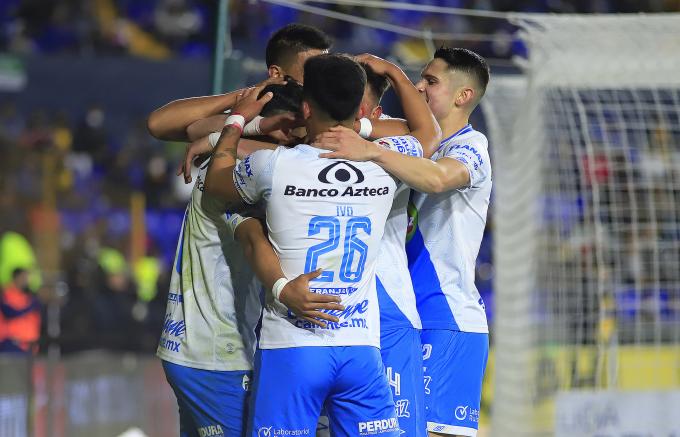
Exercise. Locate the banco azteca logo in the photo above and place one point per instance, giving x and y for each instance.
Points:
(341, 172)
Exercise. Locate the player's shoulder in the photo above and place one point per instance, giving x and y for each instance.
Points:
(470, 136)
(404, 144)
(470, 140)
(478, 138)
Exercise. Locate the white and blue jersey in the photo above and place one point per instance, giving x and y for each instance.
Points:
(213, 302)
(208, 338)
(445, 234)
(326, 214)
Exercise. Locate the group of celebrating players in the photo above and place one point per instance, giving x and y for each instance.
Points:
(326, 262)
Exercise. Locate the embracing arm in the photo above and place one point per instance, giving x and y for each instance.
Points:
(421, 122)
(295, 295)
(170, 122)
(423, 174)
(219, 181)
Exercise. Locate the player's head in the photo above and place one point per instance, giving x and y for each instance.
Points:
(333, 88)
(20, 278)
(455, 79)
(376, 85)
(289, 48)
(287, 98)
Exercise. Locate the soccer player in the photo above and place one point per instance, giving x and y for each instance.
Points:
(320, 213)
(286, 52)
(447, 229)
(208, 341)
(399, 321)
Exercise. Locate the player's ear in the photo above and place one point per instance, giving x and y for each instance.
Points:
(306, 110)
(275, 71)
(377, 112)
(465, 96)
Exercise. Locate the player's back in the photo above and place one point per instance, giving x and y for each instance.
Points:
(445, 241)
(326, 214)
(213, 302)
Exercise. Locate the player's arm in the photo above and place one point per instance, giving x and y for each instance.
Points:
(200, 149)
(421, 122)
(420, 173)
(205, 126)
(170, 122)
(294, 294)
(423, 174)
(460, 166)
(384, 128)
(259, 127)
(219, 180)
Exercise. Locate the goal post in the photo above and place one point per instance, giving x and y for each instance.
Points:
(586, 152)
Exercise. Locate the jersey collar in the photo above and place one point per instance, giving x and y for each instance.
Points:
(467, 128)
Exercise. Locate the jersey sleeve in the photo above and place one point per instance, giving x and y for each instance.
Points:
(474, 157)
(253, 176)
(233, 220)
(405, 144)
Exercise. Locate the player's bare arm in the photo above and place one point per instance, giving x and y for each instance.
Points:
(170, 122)
(267, 126)
(423, 174)
(197, 151)
(421, 123)
(295, 294)
(219, 181)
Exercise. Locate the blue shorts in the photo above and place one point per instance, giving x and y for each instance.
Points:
(293, 384)
(454, 364)
(211, 403)
(402, 355)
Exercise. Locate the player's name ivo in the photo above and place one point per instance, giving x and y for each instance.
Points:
(350, 191)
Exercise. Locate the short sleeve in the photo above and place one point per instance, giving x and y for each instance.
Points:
(233, 220)
(253, 176)
(475, 158)
(405, 144)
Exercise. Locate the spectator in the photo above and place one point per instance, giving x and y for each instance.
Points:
(21, 317)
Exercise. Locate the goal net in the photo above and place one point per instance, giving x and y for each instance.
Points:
(586, 153)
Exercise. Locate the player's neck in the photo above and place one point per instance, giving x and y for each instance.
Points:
(454, 122)
(319, 127)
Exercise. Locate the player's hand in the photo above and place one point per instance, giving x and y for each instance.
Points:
(344, 143)
(271, 81)
(307, 305)
(248, 105)
(193, 150)
(280, 122)
(379, 65)
(280, 127)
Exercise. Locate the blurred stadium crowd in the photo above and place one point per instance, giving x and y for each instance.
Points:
(163, 28)
(89, 169)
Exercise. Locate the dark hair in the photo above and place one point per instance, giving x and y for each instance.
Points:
(292, 39)
(335, 84)
(18, 271)
(466, 61)
(287, 98)
(376, 83)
